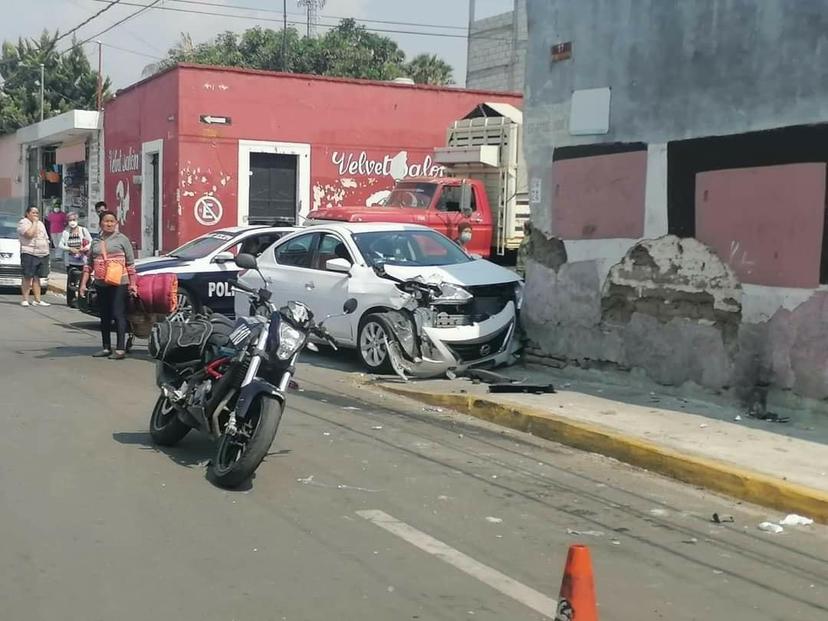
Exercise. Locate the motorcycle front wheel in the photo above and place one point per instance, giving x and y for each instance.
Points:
(165, 427)
(238, 456)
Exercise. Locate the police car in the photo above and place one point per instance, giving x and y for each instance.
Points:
(205, 265)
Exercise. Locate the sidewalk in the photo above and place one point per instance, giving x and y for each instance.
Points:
(57, 282)
(783, 466)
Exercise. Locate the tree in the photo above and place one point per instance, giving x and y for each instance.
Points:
(348, 50)
(70, 82)
(429, 69)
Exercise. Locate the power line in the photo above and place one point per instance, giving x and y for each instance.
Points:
(267, 19)
(144, 8)
(86, 21)
(366, 20)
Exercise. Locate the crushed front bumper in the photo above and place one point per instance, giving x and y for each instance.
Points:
(490, 343)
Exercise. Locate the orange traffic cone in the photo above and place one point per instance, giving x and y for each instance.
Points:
(577, 598)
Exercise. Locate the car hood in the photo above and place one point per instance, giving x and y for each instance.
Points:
(471, 274)
(10, 247)
(159, 263)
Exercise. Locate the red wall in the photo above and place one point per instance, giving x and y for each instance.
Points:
(140, 115)
(767, 222)
(395, 126)
(600, 197)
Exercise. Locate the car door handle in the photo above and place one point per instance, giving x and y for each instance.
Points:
(310, 285)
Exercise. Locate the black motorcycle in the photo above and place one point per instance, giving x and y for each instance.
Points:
(235, 389)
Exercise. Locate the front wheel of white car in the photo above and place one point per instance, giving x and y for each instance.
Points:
(371, 345)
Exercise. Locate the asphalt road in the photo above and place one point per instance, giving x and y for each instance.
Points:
(368, 508)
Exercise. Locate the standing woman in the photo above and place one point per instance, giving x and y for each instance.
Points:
(112, 262)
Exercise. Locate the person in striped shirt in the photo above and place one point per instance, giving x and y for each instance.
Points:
(112, 246)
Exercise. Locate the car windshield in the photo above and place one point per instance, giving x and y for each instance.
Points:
(411, 195)
(8, 228)
(202, 246)
(415, 248)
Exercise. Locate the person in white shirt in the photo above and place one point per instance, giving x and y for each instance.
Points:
(75, 242)
(34, 255)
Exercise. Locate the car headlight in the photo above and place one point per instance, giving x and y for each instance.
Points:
(452, 294)
(519, 287)
(290, 340)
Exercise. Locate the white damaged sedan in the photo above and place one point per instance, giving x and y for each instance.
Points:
(469, 320)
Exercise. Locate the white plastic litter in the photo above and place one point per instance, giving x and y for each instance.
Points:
(493, 520)
(585, 533)
(770, 527)
(796, 520)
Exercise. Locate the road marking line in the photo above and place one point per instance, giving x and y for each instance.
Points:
(500, 582)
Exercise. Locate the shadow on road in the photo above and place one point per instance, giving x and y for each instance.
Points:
(195, 450)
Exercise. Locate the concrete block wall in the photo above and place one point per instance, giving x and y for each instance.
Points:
(493, 62)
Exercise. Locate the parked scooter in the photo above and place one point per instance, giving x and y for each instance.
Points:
(230, 380)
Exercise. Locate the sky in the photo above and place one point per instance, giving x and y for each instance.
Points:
(144, 39)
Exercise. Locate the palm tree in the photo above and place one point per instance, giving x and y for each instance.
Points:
(429, 69)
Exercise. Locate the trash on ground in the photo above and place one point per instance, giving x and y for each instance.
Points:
(718, 572)
(770, 527)
(721, 519)
(326, 433)
(432, 409)
(493, 520)
(692, 540)
(490, 377)
(770, 417)
(350, 407)
(704, 425)
(796, 520)
(585, 533)
(615, 542)
(737, 418)
(377, 427)
(659, 512)
(535, 389)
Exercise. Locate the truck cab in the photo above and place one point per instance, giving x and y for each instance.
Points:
(441, 203)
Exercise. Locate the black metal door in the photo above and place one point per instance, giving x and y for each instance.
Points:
(272, 188)
(156, 204)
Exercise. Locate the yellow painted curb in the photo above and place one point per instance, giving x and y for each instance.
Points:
(715, 475)
(56, 289)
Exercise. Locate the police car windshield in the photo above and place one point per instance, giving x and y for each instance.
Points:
(201, 246)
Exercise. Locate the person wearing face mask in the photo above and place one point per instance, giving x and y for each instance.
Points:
(56, 222)
(464, 234)
(74, 243)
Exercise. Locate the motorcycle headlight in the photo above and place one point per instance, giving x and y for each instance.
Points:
(290, 340)
(452, 294)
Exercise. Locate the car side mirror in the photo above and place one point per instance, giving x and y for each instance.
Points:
(343, 266)
(246, 261)
(350, 306)
(224, 257)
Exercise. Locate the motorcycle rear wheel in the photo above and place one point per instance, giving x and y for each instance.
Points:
(237, 457)
(165, 427)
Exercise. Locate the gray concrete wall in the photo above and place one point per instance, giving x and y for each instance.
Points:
(680, 69)
(493, 63)
(672, 308)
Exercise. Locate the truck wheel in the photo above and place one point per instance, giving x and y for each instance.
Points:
(371, 345)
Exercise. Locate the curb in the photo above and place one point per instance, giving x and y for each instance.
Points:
(729, 479)
(55, 288)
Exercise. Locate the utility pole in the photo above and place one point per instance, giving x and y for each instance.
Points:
(284, 35)
(472, 4)
(99, 97)
(42, 79)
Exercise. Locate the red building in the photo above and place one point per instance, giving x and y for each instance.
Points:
(196, 148)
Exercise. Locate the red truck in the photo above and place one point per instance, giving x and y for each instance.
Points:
(485, 186)
(442, 203)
